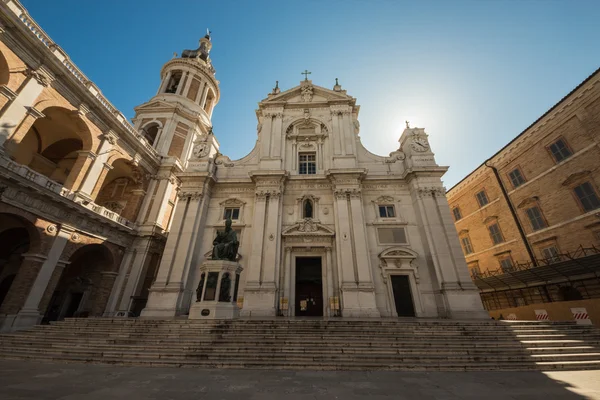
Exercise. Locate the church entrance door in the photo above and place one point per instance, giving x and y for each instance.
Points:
(402, 296)
(309, 287)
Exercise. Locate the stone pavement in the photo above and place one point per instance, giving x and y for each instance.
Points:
(26, 380)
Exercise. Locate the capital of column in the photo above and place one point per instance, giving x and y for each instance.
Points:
(110, 136)
(107, 166)
(89, 154)
(34, 112)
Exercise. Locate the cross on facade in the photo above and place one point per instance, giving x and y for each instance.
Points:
(305, 73)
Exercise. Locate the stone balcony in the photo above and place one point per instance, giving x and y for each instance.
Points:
(43, 183)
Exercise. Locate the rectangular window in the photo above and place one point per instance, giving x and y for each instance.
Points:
(506, 264)
(550, 254)
(307, 163)
(495, 233)
(482, 198)
(387, 212)
(474, 268)
(391, 235)
(516, 178)
(535, 218)
(457, 214)
(232, 212)
(587, 196)
(559, 150)
(466, 243)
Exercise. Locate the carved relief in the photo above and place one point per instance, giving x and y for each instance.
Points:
(307, 93)
(431, 192)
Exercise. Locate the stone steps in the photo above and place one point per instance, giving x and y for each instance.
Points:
(410, 344)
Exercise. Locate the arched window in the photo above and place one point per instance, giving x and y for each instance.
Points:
(150, 132)
(173, 82)
(308, 208)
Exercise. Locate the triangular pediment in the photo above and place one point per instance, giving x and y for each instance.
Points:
(307, 93)
(308, 227)
(154, 104)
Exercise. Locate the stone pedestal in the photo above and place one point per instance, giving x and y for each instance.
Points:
(216, 296)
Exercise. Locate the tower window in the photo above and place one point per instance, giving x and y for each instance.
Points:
(307, 163)
(150, 132)
(232, 212)
(173, 82)
(308, 209)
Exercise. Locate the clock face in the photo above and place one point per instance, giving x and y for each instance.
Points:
(420, 145)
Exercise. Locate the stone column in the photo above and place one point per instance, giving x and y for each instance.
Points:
(164, 83)
(331, 279)
(165, 294)
(363, 262)
(98, 169)
(265, 136)
(30, 314)
(348, 129)
(103, 291)
(286, 273)
(204, 96)
(20, 106)
(276, 147)
(83, 163)
(349, 274)
(105, 170)
(135, 276)
(19, 131)
(337, 134)
(52, 284)
(272, 239)
(117, 289)
(461, 296)
(141, 217)
(259, 300)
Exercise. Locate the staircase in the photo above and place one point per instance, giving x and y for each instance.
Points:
(410, 344)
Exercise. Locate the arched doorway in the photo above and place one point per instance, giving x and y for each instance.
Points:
(17, 237)
(50, 146)
(80, 291)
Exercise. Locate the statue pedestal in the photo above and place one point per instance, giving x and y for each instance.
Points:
(216, 296)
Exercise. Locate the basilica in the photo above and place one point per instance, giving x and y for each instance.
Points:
(100, 216)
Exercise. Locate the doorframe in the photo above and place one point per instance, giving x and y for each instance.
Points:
(412, 291)
(292, 298)
(401, 261)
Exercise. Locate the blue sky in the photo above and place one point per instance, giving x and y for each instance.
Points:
(473, 73)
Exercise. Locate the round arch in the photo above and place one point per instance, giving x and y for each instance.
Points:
(79, 290)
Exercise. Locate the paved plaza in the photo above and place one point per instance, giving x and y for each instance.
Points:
(27, 380)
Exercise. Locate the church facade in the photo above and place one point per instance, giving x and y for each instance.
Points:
(106, 217)
(326, 228)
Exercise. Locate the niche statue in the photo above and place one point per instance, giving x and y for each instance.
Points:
(225, 245)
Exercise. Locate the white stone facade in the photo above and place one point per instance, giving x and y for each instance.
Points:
(308, 149)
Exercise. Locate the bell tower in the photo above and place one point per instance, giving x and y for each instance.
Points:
(171, 121)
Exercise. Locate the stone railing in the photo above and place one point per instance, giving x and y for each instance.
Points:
(61, 55)
(47, 183)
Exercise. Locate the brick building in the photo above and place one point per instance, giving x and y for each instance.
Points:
(528, 218)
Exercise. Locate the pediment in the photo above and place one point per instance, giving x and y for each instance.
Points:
(398, 252)
(576, 177)
(299, 94)
(308, 227)
(528, 201)
(153, 105)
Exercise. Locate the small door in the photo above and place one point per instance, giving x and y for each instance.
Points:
(309, 287)
(402, 296)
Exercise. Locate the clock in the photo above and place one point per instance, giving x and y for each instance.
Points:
(420, 145)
